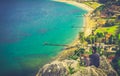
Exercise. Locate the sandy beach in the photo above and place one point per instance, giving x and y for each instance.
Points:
(80, 5)
(88, 25)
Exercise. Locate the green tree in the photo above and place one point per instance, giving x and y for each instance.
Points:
(111, 39)
(88, 39)
(81, 38)
(118, 36)
(116, 60)
(99, 35)
(105, 33)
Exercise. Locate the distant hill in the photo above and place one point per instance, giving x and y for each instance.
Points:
(109, 8)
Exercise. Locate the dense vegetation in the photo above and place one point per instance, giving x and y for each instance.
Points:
(112, 24)
(107, 31)
(109, 1)
(110, 11)
(107, 16)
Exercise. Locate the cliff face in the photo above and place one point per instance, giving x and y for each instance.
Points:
(72, 68)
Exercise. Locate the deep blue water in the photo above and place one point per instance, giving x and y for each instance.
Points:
(26, 25)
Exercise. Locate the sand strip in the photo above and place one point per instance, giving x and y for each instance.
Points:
(80, 5)
(88, 25)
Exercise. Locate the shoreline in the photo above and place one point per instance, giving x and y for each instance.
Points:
(88, 24)
(74, 3)
(87, 29)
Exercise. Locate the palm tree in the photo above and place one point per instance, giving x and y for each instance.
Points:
(81, 37)
(111, 39)
(99, 35)
(105, 33)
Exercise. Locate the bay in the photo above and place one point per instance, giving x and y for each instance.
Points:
(24, 28)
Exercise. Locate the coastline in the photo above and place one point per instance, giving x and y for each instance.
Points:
(62, 65)
(74, 3)
(88, 24)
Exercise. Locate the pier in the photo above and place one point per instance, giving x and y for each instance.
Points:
(51, 44)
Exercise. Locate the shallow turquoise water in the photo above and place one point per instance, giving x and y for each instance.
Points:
(26, 25)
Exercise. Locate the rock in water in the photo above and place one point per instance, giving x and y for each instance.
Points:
(72, 68)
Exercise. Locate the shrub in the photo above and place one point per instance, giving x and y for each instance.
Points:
(71, 70)
(116, 62)
(109, 23)
(74, 57)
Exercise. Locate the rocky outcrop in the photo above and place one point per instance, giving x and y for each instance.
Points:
(89, 71)
(56, 68)
(106, 67)
(72, 68)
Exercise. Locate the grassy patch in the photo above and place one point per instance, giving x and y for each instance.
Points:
(111, 30)
(74, 57)
(71, 70)
(92, 4)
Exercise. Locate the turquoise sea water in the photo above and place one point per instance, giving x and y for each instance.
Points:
(26, 25)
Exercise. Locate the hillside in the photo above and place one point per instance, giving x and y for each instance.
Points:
(108, 18)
